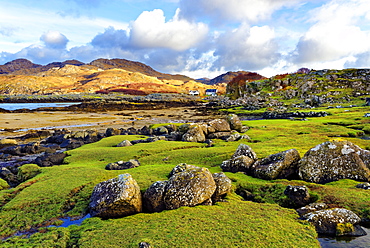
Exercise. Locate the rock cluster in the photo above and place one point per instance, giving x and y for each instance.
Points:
(187, 185)
(327, 162)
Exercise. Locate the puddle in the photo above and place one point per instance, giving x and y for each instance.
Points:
(71, 221)
(346, 242)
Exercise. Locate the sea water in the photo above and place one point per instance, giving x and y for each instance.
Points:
(31, 106)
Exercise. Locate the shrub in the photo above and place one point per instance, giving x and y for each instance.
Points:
(28, 171)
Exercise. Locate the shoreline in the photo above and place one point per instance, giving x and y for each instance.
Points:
(15, 124)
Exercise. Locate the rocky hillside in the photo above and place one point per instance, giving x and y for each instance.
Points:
(102, 76)
(312, 88)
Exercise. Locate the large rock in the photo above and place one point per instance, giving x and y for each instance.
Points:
(190, 187)
(219, 125)
(241, 161)
(279, 165)
(50, 159)
(194, 134)
(153, 197)
(234, 122)
(116, 197)
(336, 221)
(223, 186)
(334, 160)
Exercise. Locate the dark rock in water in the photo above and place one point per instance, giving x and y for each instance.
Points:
(50, 159)
(299, 195)
(336, 221)
(280, 165)
(223, 186)
(116, 197)
(363, 186)
(312, 207)
(242, 160)
(121, 165)
(153, 197)
(334, 160)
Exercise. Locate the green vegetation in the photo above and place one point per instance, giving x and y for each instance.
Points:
(28, 171)
(62, 191)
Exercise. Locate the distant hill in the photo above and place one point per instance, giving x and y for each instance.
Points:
(21, 76)
(229, 76)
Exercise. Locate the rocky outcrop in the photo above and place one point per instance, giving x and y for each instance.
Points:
(280, 165)
(241, 161)
(334, 160)
(336, 221)
(121, 165)
(115, 198)
(187, 185)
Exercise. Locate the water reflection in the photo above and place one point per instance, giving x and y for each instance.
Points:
(346, 242)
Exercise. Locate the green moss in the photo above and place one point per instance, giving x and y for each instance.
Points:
(3, 184)
(28, 171)
(344, 229)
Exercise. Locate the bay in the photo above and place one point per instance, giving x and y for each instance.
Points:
(31, 106)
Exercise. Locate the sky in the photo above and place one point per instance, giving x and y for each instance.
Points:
(197, 38)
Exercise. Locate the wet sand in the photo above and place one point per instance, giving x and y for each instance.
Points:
(17, 124)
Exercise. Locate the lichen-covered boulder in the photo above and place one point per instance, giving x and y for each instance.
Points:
(153, 197)
(124, 143)
(334, 160)
(234, 122)
(299, 195)
(121, 165)
(190, 187)
(280, 165)
(194, 134)
(336, 221)
(223, 186)
(241, 161)
(219, 125)
(116, 197)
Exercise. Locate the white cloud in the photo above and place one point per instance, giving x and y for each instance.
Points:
(150, 30)
(336, 33)
(235, 10)
(249, 48)
(54, 40)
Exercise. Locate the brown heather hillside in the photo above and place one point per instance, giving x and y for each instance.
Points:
(102, 76)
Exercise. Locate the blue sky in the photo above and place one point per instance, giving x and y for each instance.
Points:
(198, 38)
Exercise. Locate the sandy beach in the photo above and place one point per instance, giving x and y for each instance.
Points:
(17, 124)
